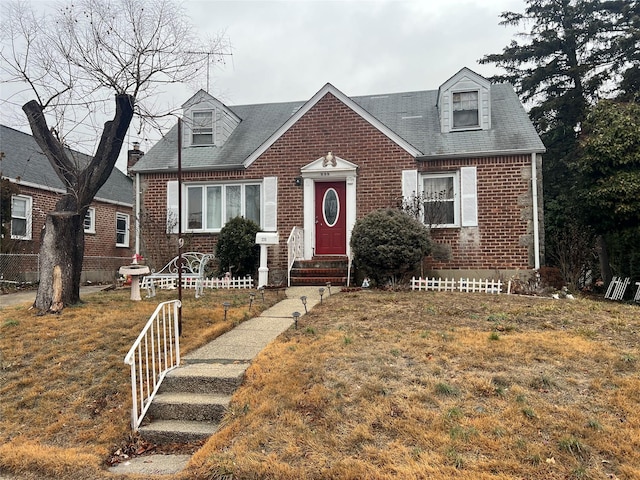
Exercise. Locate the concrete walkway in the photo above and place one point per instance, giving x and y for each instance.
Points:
(29, 296)
(241, 344)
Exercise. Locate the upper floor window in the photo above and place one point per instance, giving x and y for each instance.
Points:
(209, 207)
(465, 109)
(90, 220)
(122, 230)
(440, 200)
(202, 130)
(21, 217)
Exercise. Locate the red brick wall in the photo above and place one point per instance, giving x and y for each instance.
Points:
(102, 243)
(331, 126)
(502, 240)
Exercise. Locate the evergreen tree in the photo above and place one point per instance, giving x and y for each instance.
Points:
(575, 52)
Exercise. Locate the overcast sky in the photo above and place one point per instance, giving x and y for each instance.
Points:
(287, 50)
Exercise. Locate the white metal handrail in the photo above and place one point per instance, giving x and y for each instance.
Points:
(295, 249)
(155, 352)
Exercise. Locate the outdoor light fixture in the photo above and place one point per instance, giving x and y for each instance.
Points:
(321, 290)
(304, 302)
(296, 316)
(226, 306)
(329, 287)
(262, 292)
(252, 297)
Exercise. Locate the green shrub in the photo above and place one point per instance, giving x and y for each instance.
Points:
(388, 244)
(236, 250)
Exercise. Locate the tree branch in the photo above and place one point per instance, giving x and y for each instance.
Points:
(51, 147)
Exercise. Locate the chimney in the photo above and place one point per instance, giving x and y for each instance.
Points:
(133, 156)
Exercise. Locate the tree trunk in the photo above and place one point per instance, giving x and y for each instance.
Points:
(62, 246)
(61, 255)
(603, 256)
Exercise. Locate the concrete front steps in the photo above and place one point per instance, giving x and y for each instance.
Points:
(191, 402)
(320, 270)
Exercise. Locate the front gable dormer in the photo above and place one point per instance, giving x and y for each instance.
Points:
(464, 102)
(207, 121)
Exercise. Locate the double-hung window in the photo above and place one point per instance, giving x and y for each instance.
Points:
(202, 128)
(441, 199)
(209, 207)
(122, 230)
(21, 217)
(90, 220)
(465, 110)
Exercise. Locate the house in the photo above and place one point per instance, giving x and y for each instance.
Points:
(36, 189)
(465, 154)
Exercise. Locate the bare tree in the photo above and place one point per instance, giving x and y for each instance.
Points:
(87, 61)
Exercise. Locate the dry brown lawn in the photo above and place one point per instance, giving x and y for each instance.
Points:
(373, 385)
(65, 393)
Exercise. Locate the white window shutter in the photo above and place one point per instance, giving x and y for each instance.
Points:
(469, 196)
(172, 206)
(409, 184)
(270, 219)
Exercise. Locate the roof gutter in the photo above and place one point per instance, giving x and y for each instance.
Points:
(63, 191)
(481, 154)
(212, 168)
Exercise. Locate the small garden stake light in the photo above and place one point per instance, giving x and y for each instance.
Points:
(304, 302)
(252, 297)
(296, 316)
(329, 288)
(262, 292)
(226, 306)
(321, 291)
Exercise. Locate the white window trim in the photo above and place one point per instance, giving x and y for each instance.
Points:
(456, 195)
(91, 212)
(213, 127)
(126, 236)
(204, 186)
(28, 217)
(479, 110)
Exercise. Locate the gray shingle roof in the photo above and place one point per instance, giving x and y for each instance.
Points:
(24, 161)
(411, 115)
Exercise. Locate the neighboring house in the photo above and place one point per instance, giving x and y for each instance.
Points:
(466, 154)
(108, 223)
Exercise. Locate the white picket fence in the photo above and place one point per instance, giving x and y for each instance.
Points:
(467, 285)
(616, 288)
(192, 282)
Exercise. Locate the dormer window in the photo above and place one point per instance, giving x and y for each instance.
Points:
(465, 109)
(202, 130)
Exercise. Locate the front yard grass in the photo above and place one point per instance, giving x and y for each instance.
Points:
(372, 385)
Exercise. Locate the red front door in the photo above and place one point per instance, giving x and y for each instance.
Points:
(331, 231)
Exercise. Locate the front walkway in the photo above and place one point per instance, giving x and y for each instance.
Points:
(241, 344)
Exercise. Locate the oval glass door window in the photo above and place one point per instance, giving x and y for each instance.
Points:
(330, 207)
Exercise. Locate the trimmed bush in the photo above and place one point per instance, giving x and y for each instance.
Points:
(388, 244)
(236, 250)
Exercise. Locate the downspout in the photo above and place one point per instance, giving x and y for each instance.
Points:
(137, 213)
(536, 224)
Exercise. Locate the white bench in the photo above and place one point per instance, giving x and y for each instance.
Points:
(193, 272)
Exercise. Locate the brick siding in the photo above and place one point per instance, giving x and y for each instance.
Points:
(102, 243)
(502, 240)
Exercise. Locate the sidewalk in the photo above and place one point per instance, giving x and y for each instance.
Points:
(241, 344)
(29, 296)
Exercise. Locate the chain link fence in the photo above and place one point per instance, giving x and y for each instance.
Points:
(21, 268)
